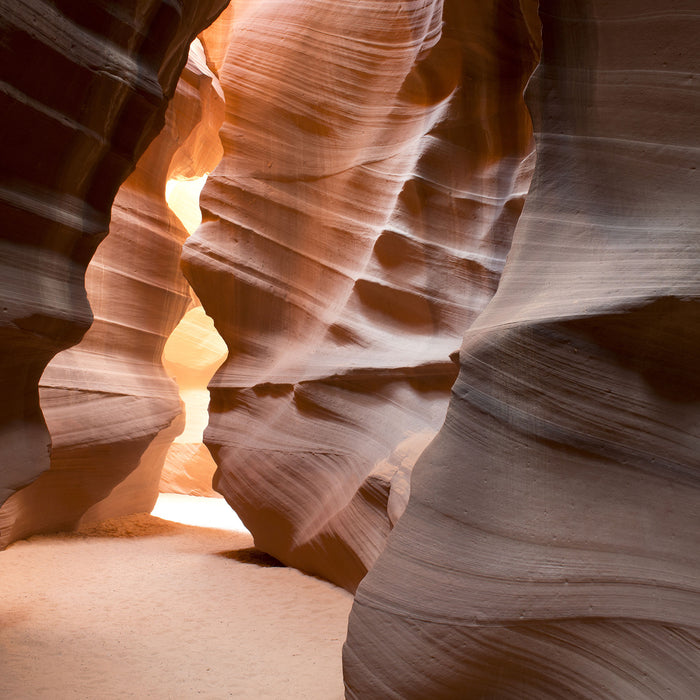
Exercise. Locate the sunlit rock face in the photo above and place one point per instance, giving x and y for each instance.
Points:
(551, 548)
(87, 88)
(376, 160)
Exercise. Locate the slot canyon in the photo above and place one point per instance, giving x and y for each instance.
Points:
(440, 293)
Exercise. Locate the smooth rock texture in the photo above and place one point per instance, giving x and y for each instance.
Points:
(551, 544)
(110, 408)
(375, 165)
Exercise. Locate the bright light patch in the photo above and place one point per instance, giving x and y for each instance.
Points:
(197, 511)
(193, 353)
(182, 197)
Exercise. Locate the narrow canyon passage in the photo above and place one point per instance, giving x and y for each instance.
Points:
(192, 354)
(452, 251)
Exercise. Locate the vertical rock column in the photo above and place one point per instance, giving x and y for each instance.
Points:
(358, 222)
(550, 548)
(84, 88)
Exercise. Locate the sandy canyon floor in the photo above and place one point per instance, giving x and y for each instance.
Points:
(146, 608)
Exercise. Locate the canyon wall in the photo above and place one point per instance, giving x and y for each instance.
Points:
(84, 91)
(550, 547)
(375, 165)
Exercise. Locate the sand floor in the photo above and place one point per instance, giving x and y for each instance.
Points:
(145, 608)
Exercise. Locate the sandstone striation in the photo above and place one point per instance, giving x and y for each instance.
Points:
(550, 547)
(375, 165)
(85, 90)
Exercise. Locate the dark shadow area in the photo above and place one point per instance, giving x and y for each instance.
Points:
(250, 555)
(659, 340)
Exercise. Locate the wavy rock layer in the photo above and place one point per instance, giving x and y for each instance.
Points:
(106, 400)
(357, 224)
(550, 547)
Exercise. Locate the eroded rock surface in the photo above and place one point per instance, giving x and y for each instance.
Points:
(85, 90)
(551, 548)
(375, 165)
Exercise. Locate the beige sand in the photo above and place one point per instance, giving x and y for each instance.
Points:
(144, 608)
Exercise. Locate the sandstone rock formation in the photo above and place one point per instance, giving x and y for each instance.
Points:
(376, 158)
(551, 547)
(85, 89)
(375, 165)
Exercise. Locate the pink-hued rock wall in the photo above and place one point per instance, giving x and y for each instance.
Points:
(551, 544)
(85, 89)
(375, 165)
